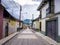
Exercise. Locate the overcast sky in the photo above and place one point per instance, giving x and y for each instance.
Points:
(29, 7)
(30, 2)
(29, 10)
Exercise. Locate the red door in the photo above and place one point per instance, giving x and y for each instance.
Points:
(51, 28)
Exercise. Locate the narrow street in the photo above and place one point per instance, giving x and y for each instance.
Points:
(27, 37)
(29, 22)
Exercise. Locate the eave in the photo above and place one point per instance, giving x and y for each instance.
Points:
(42, 4)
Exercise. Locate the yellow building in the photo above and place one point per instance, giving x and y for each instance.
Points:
(13, 25)
(24, 26)
(10, 24)
(36, 24)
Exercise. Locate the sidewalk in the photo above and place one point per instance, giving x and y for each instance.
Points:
(2, 41)
(58, 43)
(49, 40)
(29, 37)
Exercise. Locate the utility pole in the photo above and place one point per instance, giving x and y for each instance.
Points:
(32, 20)
(32, 16)
(20, 16)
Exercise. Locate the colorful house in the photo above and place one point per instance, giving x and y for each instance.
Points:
(8, 24)
(1, 21)
(50, 18)
(24, 26)
(36, 24)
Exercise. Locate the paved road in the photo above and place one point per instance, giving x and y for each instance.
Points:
(27, 37)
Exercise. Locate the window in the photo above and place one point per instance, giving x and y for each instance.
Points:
(47, 11)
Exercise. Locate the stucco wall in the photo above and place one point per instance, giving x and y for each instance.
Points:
(43, 25)
(24, 26)
(1, 21)
(4, 24)
(13, 28)
(44, 10)
(59, 25)
(57, 6)
(33, 24)
(36, 25)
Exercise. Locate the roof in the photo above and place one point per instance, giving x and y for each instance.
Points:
(8, 15)
(44, 2)
(12, 7)
(36, 19)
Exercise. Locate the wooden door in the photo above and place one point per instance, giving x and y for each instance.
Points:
(53, 23)
(51, 28)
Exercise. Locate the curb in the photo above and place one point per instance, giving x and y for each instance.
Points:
(49, 40)
(2, 41)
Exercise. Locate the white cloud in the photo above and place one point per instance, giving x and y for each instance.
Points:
(23, 2)
(30, 9)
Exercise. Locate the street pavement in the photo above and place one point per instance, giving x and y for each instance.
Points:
(27, 37)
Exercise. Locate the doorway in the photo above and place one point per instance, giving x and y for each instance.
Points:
(6, 20)
(40, 26)
(51, 28)
(6, 30)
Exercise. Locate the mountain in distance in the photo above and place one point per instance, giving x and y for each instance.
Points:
(26, 21)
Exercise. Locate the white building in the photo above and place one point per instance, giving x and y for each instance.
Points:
(50, 18)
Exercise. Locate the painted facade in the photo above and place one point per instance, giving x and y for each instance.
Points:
(4, 25)
(50, 18)
(13, 24)
(1, 20)
(8, 24)
(24, 26)
(36, 24)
